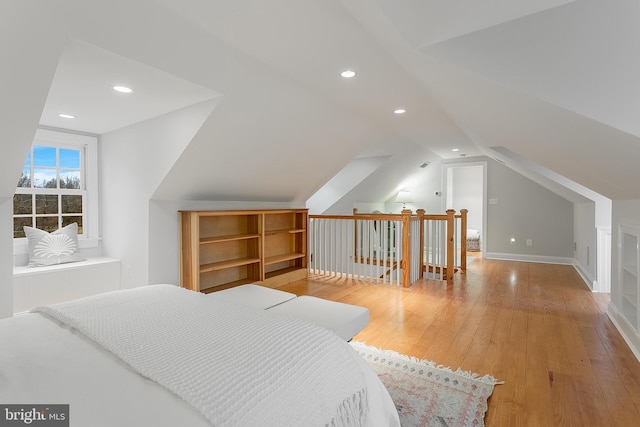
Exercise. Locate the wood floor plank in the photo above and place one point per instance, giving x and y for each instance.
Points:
(535, 326)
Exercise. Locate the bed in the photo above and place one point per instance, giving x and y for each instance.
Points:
(164, 356)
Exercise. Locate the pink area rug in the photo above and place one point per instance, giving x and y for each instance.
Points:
(429, 395)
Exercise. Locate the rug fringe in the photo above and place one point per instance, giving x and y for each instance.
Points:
(486, 379)
(352, 412)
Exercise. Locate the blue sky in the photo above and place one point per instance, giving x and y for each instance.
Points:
(46, 156)
(45, 164)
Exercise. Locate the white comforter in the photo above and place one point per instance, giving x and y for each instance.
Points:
(229, 365)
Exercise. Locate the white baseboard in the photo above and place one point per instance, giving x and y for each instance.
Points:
(586, 276)
(628, 334)
(529, 258)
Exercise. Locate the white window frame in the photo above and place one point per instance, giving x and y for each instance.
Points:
(89, 144)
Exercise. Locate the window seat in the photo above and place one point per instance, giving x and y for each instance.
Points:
(34, 286)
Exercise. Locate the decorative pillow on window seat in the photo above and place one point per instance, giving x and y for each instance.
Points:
(58, 247)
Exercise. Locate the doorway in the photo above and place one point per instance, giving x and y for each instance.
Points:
(465, 188)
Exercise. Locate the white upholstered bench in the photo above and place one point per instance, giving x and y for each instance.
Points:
(345, 320)
(253, 295)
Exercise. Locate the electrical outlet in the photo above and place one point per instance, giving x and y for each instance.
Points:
(529, 242)
(493, 201)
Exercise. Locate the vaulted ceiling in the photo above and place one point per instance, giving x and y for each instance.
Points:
(550, 81)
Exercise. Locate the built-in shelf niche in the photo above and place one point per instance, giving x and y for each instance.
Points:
(629, 274)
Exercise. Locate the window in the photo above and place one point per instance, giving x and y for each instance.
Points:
(57, 185)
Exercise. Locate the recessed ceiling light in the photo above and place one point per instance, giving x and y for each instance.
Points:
(122, 89)
(66, 116)
(347, 74)
(399, 111)
(455, 149)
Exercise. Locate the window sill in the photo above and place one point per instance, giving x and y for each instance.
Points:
(23, 270)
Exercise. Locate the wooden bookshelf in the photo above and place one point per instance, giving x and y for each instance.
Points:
(235, 247)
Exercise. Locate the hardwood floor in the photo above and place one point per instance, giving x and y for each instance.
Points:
(535, 326)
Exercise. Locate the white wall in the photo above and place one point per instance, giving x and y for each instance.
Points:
(6, 258)
(422, 186)
(134, 161)
(526, 210)
(345, 180)
(402, 170)
(584, 232)
(31, 45)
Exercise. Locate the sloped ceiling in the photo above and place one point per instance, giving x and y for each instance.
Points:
(555, 82)
(26, 74)
(89, 73)
(426, 22)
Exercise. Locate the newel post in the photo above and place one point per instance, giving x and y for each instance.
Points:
(355, 236)
(405, 263)
(463, 239)
(450, 244)
(421, 213)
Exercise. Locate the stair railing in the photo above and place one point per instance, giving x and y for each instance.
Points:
(397, 249)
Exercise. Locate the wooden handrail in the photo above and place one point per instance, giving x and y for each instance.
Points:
(330, 216)
(380, 216)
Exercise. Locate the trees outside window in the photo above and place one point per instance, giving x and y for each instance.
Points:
(52, 190)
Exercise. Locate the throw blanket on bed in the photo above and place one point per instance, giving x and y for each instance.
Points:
(238, 366)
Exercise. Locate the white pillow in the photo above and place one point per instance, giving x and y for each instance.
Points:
(58, 247)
